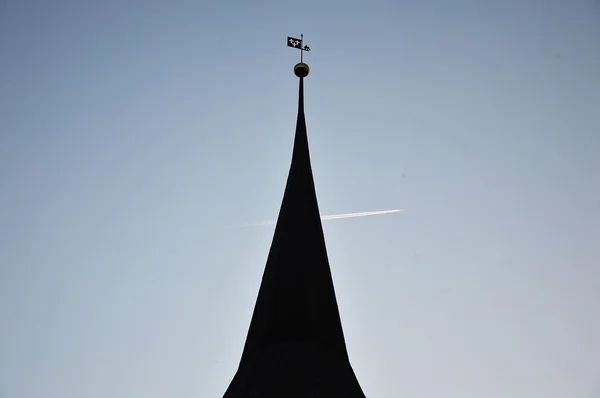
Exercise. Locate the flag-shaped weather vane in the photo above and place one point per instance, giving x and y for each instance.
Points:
(301, 69)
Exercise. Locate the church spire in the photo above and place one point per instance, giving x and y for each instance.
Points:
(295, 344)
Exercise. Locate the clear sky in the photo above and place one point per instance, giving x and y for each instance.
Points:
(136, 136)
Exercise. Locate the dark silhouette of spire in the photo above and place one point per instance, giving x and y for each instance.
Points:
(295, 346)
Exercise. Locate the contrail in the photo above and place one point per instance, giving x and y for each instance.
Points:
(363, 214)
(335, 216)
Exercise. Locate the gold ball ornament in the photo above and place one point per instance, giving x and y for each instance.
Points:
(301, 69)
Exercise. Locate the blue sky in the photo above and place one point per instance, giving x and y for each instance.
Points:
(135, 136)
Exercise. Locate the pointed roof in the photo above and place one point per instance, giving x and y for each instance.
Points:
(295, 345)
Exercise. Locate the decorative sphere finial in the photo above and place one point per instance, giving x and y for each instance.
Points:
(301, 69)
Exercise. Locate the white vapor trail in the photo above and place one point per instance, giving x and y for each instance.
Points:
(336, 216)
(363, 214)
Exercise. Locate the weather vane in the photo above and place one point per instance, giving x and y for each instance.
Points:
(301, 69)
